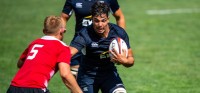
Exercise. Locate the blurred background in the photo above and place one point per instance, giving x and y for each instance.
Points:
(164, 35)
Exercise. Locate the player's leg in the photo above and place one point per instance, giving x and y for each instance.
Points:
(118, 89)
(113, 84)
(86, 81)
(88, 88)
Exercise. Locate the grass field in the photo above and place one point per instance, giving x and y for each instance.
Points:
(165, 44)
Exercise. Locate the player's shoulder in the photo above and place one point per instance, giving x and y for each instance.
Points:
(83, 30)
(116, 28)
(86, 30)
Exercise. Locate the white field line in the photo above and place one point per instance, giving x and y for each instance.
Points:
(172, 11)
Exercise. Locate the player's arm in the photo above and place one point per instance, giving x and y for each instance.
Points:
(65, 17)
(68, 78)
(120, 19)
(73, 50)
(20, 63)
(22, 58)
(130, 59)
(77, 44)
(122, 59)
(67, 10)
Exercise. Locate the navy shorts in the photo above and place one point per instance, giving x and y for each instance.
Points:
(106, 81)
(14, 89)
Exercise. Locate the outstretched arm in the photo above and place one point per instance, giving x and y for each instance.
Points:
(68, 78)
(73, 50)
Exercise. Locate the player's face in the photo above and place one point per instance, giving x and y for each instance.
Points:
(100, 23)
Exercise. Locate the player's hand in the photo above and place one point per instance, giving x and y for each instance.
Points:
(119, 58)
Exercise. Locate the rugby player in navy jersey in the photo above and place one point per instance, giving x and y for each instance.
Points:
(97, 70)
(82, 8)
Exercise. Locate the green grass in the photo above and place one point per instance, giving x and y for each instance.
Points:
(166, 47)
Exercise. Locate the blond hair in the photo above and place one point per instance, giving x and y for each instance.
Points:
(52, 24)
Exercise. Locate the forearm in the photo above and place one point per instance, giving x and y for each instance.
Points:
(120, 19)
(71, 83)
(122, 59)
(73, 50)
(65, 17)
(121, 22)
(129, 62)
(68, 78)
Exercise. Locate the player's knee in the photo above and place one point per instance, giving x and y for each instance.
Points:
(119, 90)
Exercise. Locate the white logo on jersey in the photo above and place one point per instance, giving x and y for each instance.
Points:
(85, 89)
(79, 5)
(86, 22)
(95, 44)
(101, 1)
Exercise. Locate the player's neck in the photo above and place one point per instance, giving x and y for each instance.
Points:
(59, 37)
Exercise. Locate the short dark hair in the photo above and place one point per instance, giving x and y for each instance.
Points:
(99, 8)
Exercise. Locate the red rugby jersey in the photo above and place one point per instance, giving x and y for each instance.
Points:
(41, 58)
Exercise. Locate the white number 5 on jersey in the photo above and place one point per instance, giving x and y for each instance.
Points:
(34, 51)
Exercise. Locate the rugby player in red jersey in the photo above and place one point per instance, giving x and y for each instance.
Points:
(42, 59)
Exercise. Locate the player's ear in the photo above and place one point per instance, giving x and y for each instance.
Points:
(62, 30)
(44, 31)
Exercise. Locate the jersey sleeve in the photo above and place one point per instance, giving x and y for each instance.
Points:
(126, 39)
(78, 42)
(114, 6)
(122, 33)
(67, 9)
(64, 55)
(24, 55)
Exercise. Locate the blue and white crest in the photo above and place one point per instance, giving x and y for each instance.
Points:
(94, 44)
(79, 5)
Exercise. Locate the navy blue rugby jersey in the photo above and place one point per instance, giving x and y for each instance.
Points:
(96, 48)
(82, 10)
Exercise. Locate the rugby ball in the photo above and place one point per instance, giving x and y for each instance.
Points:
(118, 44)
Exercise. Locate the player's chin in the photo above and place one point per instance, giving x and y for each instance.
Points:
(100, 31)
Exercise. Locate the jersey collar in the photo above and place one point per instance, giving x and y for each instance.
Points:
(52, 38)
